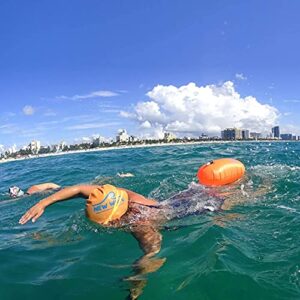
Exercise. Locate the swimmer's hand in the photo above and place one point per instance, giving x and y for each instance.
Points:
(150, 264)
(33, 213)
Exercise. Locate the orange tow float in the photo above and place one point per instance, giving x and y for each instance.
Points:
(220, 172)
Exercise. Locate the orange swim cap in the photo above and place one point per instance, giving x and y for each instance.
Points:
(106, 203)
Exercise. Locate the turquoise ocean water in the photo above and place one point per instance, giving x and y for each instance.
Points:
(249, 252)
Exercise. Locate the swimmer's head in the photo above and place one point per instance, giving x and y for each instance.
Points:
(106, 203)
(15, 191)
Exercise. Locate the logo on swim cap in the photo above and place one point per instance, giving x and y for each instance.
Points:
(106, 203)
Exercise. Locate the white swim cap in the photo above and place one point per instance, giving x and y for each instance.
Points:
(15, 191)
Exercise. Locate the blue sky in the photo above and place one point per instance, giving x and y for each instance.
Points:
(68, 68)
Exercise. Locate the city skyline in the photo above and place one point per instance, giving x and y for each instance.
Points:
(190, 69)
(123, 136)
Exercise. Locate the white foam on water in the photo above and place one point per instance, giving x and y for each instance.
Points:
(287, 208)
(275, 167)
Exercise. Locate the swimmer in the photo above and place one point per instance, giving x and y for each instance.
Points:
(117, 207)
(16, 192)
(114, 207)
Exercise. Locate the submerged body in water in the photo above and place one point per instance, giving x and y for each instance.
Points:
(143, 217)
(193, 201)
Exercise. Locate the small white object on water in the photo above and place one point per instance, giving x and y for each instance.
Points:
(125, 175)
(243, 191)
(210, 208)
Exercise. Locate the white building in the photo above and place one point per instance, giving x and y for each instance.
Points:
(133, 138)
(34, 147)
(11, 150)
(231, 134)
(168, 136)
(122, 136)
(255, 135)
(98, 141)
(62, 145)
(58, 147)
(203, 136)
(245, 134)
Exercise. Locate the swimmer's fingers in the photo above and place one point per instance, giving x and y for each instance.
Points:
(25, 217)
(32, 214)
(37, 215)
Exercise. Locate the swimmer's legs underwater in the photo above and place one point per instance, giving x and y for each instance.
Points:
(149, 237)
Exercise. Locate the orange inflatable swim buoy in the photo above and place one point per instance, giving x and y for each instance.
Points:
(220, 172)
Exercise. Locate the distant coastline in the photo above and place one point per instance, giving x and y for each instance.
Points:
(34, 156)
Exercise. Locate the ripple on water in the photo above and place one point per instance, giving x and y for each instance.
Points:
(249, 252)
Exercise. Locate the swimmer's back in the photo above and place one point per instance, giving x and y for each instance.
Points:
(192, 201)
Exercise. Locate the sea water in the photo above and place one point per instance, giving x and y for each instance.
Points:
(251, 251)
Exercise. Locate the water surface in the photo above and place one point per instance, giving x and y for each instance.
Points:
(249, 252)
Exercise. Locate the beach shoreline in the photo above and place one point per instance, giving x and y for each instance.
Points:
(99, 149)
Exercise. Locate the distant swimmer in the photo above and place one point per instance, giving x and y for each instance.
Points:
(16, 192)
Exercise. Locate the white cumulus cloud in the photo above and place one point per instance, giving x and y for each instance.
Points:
(146, 124)
(192, 109)
(28, 110)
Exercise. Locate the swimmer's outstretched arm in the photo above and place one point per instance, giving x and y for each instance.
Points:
(42, 187)
(73, 192)
(67, 193)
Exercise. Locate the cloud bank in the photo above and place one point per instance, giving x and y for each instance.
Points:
(191, 109)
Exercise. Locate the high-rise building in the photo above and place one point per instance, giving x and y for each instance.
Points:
(245, 134)
(122, 136)
(286, 136)
(98, 141)
(276, 132)
(231, 134)
(34, 147)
